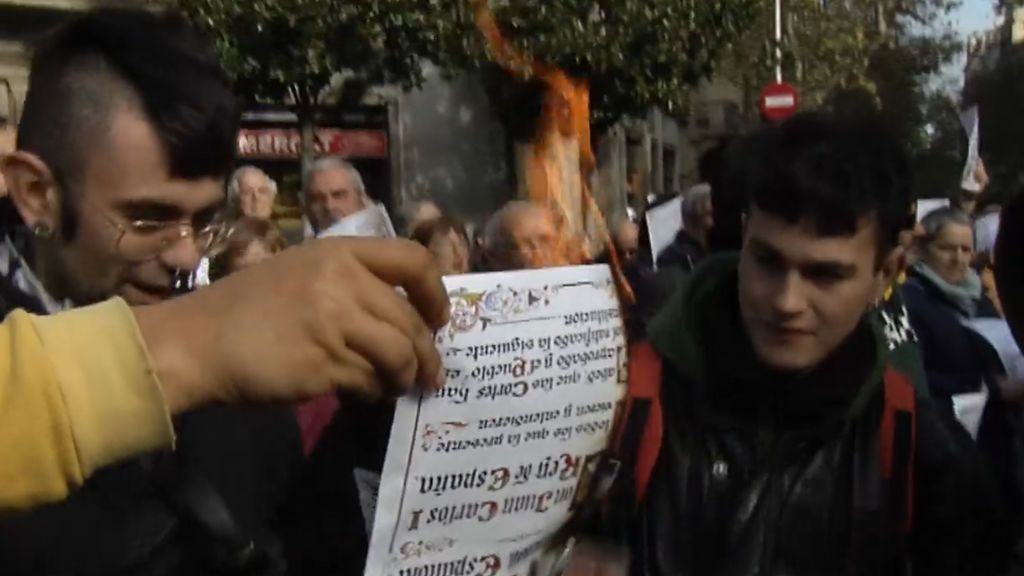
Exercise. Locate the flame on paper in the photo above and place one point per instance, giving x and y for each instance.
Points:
(561, 160)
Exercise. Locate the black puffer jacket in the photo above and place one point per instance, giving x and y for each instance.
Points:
(766, 474)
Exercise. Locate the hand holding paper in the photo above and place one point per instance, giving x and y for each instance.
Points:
(480, 475)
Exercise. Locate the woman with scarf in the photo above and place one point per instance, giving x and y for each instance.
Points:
(942, 293)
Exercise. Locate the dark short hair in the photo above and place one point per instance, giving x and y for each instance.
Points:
(240, 236)
(106, 58)
(826, 172)
(425, 232)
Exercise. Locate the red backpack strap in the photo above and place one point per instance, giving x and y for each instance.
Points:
(639, 439)
(898, 445)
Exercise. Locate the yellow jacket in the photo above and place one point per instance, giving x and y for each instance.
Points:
(77, 392)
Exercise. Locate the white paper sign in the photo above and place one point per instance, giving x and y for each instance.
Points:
(969, 181)
(986, 232)
(372, 221)
(663, 223)
(479, 476)
(997, 333)
(969, 408)
(926, 206)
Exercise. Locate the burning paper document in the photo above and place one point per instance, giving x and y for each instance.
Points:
(480, 475)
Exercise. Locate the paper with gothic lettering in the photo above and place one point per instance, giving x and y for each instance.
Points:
(479, 476)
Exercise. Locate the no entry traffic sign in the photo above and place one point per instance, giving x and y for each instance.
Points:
(779, 101)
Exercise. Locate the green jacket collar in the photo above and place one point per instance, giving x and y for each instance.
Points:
(703, 315)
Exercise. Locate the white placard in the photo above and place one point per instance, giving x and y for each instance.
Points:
(372, 221)
(996, 333)
(969, 408)
(969, 181)
(926, 206)
(479, 476)
(986, 232)
(663, 223)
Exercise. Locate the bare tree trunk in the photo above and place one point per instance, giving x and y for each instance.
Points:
(306, 112)
(306, 128)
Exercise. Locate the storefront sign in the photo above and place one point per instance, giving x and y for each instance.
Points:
(286, 143)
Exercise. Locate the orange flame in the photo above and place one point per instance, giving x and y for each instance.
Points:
(564, 130)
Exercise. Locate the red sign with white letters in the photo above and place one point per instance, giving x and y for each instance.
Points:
(286, 143)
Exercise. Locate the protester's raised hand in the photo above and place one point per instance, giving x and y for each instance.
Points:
(315, 318)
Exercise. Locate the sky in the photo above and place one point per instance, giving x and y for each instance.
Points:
(972, 16)
(975, 15)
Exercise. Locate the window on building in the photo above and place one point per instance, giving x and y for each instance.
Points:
(669, 170)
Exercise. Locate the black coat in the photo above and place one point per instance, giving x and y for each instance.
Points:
(955, 359)
(684, 253)
(958, 361)
(128, 520)
(766, 474)
(326, 524)
(164, 514)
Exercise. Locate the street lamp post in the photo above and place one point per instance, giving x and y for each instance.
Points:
(778, 41)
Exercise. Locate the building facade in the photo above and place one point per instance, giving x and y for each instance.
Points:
(22, 23)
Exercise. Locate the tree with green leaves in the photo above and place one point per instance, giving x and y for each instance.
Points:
(634, 54)
(865, 56)
(294, 50)
(996, 86)
(938, 163)
(830, 46)
(631, 55)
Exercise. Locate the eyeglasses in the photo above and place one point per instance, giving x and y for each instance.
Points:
(140, 240)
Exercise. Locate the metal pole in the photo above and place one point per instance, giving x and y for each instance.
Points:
(778, 41)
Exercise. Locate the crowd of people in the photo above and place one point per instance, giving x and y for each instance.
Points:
(808, 418)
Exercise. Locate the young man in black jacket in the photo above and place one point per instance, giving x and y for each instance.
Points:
(790, 444)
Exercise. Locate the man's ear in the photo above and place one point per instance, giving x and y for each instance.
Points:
(32, 189)
(891, 266)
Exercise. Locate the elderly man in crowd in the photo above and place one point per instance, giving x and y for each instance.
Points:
(252, 193)
(334, 190)
(691, 243)
(524, 235)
